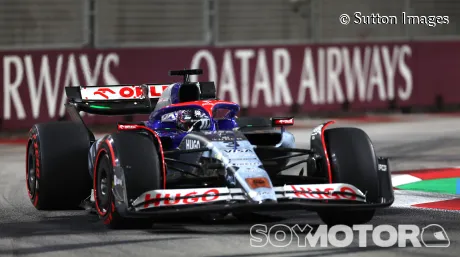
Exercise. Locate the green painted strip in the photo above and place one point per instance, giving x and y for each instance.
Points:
(99, 107)
(447, 185)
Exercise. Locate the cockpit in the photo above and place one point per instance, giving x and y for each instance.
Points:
(200, 96)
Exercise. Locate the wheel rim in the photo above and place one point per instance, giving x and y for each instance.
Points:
(102, 191)
(31, 172)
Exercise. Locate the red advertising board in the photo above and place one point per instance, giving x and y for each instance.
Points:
(264, 79)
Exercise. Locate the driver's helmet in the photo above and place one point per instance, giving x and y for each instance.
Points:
(187, 118)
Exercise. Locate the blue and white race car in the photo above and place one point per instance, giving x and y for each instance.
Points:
(194, 155)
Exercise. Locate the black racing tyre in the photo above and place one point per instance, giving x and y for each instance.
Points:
(138, 156)
(57, 165)
(353, 161)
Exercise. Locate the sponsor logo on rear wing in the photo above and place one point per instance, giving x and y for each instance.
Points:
(178, 197)
(101, 93)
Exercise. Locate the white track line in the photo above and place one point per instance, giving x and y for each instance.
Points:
(403, 179)
(407, 198)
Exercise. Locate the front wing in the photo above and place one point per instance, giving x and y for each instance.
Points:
(309, 196)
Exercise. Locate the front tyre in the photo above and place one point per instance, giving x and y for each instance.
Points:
(138, 157)
(103, 196)
(353, 161)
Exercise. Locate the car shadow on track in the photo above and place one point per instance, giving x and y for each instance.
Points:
(311, 252)
(190, 228)
(78, 246)
(63, 226)
(50, 226)
(228, 225)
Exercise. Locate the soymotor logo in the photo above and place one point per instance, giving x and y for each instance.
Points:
(281, 235)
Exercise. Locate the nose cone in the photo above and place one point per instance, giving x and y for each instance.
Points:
(258, 192)
(259, 200)
(261, 195)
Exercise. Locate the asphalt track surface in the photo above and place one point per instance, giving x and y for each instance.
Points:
(27, 232)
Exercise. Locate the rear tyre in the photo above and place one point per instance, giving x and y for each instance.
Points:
(353, 161)
(139, 159)
(57, 165)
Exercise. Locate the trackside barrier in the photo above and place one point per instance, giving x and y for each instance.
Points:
(265, 80)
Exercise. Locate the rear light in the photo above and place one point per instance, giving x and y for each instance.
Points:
(280, 122)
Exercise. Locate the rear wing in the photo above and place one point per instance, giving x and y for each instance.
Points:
(115, 99)
(129, 99)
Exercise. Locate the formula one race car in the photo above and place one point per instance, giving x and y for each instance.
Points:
(194, 155)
